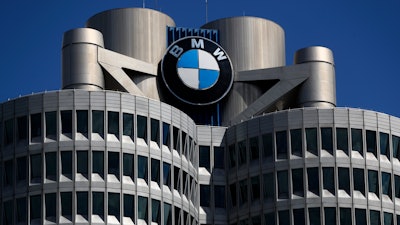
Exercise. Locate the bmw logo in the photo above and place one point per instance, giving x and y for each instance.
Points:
(197, 71)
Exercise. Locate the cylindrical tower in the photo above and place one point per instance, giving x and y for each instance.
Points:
(251, 43)
(80, 69)
(136, 32)
(319, 90)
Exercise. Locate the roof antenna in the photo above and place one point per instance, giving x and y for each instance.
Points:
(206, 11)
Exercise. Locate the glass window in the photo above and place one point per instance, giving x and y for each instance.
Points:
(371, 141)
(204, 157)
(8, 213)
(219, 157)
(167, 214)
(329, 180)
(256, 220)
(142, 127)
(384, 144)
(345, 216)
(313, 180)
(22, 128)
(342, 142)
(283, 191)
(98, 122)
(269, 186)
(175, 133)
(397, 186)
(361, 217)
(177, 179)
(113, 123)
(8, 131)
(113, 205)
(82, 121)
(359, 181)
(344, 179)
(8, 172)
(36, 125)
(66, 163)
(98, 203)
(330, 215)
(113, 163)
(374, 217)
(296, 142)
(142, 167)
(269, 218)
(166, 138)
(21, 210)
(386, 184)
(36, 168)
(232, 189)
(142, 208)
(242, 159)
(155, 170)
(281, 145)
(21, 168)
(326, 138)
(128, 165)
(242, 192)
(254, 152)
(311, 139)
(255, 188)
(315, 216)
(219, 196)
(297, 182)
(98, 163)
(284, 217)
(155, 130)
(167, 174)
(66, 122)
(396, 146)
(82, 162)
(50, 201)
(267, 145)
(387, 218)
(356, 140)
(129, 206)
(155, 211)
(373, 184)
(232, 156)
(51, 124)
(82, 203)
(128, 125)
(51, 165)
(298, 217)
(66, 203)
(35, 207)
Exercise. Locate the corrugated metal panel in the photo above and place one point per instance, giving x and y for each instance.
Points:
(325, 116)
(51, 101)
(184, 122)
(8, 110)
(35, 103)
(395, 125)
(166, 113)
(113, 100)
(21, 106)
(82, 99)
(383, 122)
(356, 118)
(204, 135)
(253, 127)
(370, 120)
(66, 99)
(281, 120)
(266, 123)
(218, 134)
(295, 118)
(142, 106)
(230, 135)
(97, 100)
(154, 109)
(128, 103)
(241, 131)
(310, 117)
(341, 117)
(176, 117)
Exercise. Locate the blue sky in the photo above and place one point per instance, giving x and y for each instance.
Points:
(363, 34)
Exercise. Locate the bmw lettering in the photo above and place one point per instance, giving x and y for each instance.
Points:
(197, 71)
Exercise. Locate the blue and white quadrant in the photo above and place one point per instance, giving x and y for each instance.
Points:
(198, 69)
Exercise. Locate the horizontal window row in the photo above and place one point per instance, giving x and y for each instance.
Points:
(297, 142)
(97, 207)
(51, 124)
(325, 216)
(218, 158)
(214, 197)
(368, 184)
(60, 167)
